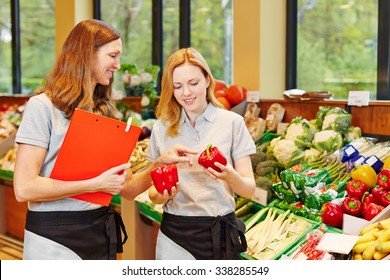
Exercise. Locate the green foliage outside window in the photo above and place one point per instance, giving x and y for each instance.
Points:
(337, 46)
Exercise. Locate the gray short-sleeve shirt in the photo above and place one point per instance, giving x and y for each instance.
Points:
(201, 195)
(44, 125)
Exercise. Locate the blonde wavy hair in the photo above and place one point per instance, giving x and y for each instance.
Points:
(168, 109)
(68, 84)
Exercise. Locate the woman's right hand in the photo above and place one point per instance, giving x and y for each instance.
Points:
(112, 180)
(177, 154)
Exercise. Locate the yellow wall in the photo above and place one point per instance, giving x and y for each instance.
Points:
(272, 48)
(259, 46)
(67, 14)
(246, 44)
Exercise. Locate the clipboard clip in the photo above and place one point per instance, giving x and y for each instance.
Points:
(128, 124)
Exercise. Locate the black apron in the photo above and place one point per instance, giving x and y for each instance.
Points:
(207, 238)
(92, 234)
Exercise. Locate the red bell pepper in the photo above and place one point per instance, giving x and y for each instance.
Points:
(377, 194)
(384, 179)
(367, 199)
(211, 155)
(332, 214)
(352, 206)
(165, 177)
(372, 210)
(385, 199)
(356, 188)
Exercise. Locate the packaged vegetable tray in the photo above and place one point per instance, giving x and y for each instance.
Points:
(305, 249)
(272, 231)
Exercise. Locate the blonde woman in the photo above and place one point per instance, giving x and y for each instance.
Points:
(198, 221)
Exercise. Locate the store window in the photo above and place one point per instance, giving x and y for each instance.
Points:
(27, 36)
(210, 31)
(37, 41)
(170, 28)
(134, 21)
(5, 48)
(212, 35)
(337, 46)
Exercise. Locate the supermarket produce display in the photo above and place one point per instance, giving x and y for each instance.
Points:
(308, 177)
(317, 175)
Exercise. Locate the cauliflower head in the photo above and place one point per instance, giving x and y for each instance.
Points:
(334, 118)
(287, 153)
(301, 132)
(327, 141)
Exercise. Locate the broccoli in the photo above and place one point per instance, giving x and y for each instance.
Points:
(264, 171)
(256, 159)
(263, 183)
(266, 168)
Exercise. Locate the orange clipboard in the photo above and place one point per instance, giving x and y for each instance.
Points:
(92, 145)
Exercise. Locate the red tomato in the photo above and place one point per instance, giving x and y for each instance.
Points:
(220, 93)
(220, 85)
(234, 94)
(224, 102)
(245, 91)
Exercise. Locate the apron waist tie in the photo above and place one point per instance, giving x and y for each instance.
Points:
(114, 228)
(229, 225)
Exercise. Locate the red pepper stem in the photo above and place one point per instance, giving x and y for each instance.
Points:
(364, 196)
(208, 149)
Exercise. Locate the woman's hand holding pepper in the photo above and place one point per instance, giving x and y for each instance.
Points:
(227, 171)
(158, 198)
(240, 179)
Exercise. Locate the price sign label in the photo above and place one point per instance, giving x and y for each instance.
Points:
(260, 196)
(358, 98)
(253, 96)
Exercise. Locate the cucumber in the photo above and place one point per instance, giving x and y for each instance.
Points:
(244, 209)
(241, 201)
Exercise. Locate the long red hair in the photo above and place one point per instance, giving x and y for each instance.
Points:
(68, 84)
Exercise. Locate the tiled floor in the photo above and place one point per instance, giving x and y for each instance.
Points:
(10, 248)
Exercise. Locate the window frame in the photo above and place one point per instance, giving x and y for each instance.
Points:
(383, 68)
(16, 56)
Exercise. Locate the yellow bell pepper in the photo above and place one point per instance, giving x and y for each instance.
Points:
(386, 163)
(366, 174)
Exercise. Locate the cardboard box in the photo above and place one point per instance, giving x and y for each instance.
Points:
(353, 225)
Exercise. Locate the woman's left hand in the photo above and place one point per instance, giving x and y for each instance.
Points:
(226, 171)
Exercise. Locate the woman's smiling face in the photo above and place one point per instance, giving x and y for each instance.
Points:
(190, 88)
(107, 61)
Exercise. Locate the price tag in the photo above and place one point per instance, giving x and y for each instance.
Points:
(253, 96)
(350, 150)
(358, 98)
(260, 196)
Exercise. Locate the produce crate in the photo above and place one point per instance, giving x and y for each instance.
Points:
(278, 203)
(6, 175)
(274, 250)
(147, 209)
